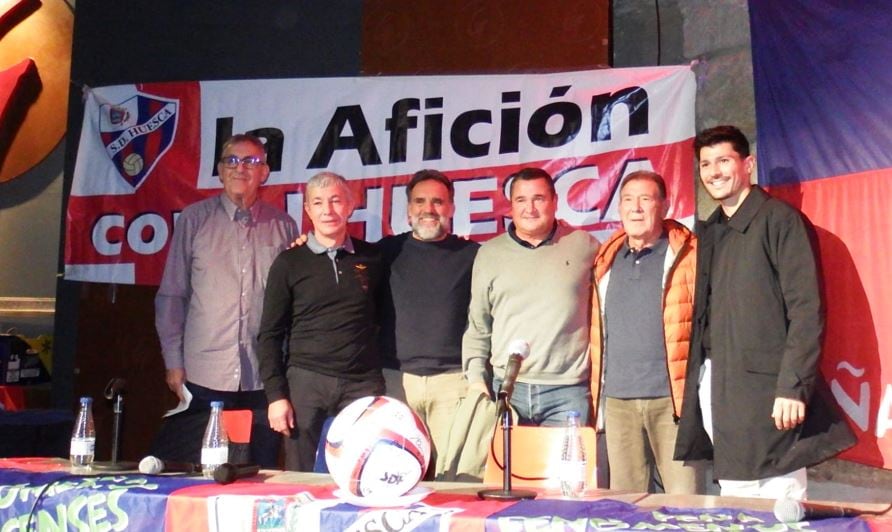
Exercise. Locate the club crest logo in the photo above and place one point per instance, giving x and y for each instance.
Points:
(137, 133)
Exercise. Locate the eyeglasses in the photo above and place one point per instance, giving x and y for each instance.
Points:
(250, 161)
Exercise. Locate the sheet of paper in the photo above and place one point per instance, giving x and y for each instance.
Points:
(184, 403)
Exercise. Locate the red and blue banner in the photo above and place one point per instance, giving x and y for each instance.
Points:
(148, 150)
(824, 120)
(61, 501)
(134, 502)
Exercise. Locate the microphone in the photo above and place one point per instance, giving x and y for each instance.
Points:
(517, 351)
(228, 473)
(114, 387)
(152, 465)
(791, 511)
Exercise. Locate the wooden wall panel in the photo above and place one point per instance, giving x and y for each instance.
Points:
(496, 36)
(116, 338)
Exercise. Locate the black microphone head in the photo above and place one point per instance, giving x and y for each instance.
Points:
(151, 465)
(114, 387)
(789, 511)
(225, 473)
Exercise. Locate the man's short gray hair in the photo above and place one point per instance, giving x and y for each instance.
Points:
(244, 138)
(327, 179)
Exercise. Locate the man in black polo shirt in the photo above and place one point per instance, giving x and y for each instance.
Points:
(321, 297)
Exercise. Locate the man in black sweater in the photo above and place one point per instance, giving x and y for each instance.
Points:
(321, 298)
(425, 309)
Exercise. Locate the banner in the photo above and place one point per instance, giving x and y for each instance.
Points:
(296, 507)
(62, 501)
(148, 150)
(825, 145)
(134, 502)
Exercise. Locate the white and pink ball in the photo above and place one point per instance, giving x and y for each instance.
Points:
(377, 447)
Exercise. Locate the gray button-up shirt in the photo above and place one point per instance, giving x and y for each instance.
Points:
(208, 307)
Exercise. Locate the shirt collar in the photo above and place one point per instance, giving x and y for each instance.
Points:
(512, 232)
(657, 247)
(319, 249)
(744, 214)
(232, 210)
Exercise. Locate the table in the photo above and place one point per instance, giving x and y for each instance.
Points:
(306, 502)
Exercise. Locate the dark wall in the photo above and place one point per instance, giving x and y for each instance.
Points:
(105, 331)
(169, 40)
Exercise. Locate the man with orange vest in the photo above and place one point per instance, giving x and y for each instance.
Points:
(642, 305)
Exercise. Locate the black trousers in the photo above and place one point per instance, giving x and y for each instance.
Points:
(315, 397)
(179, 438)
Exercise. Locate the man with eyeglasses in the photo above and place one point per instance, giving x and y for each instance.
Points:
(208, 307)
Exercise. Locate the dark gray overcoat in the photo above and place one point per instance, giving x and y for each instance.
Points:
(758, 316)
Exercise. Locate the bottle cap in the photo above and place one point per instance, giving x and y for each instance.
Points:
(216, 404)
(86, 400)
(572, 413)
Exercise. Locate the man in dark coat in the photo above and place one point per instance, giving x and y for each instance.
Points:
(753, 392)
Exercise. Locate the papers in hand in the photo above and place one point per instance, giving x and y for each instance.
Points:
(184, 403)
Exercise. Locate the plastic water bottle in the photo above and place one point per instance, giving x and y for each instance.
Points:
(215, 444)
(83, 437)
(572, 470)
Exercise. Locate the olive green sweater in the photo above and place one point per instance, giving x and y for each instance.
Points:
(541, 295)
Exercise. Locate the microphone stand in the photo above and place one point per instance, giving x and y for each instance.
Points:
(114, 392)
(506, 493)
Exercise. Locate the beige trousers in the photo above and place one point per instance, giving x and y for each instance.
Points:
(435, 399)
(640, 435)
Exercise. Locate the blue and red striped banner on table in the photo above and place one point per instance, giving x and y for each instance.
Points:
(40, 494)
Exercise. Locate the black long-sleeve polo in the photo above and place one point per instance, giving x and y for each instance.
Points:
(329, 321)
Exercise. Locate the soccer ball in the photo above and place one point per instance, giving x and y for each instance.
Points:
(377, 447)
(132, 164)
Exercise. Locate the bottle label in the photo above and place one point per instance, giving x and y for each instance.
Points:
(214, 455)
(83, 446)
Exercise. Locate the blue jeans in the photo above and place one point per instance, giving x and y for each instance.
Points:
(547, 405)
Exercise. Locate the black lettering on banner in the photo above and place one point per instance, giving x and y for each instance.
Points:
(224, 131)
(433, 130)
(635, 100)
(332, 140)
(461, 131)
(571, 121)
(274, 141)
(399, 124)
(509, 138)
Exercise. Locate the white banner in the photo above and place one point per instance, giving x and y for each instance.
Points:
(146, 151)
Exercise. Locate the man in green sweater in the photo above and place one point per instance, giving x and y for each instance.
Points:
(533, 283)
